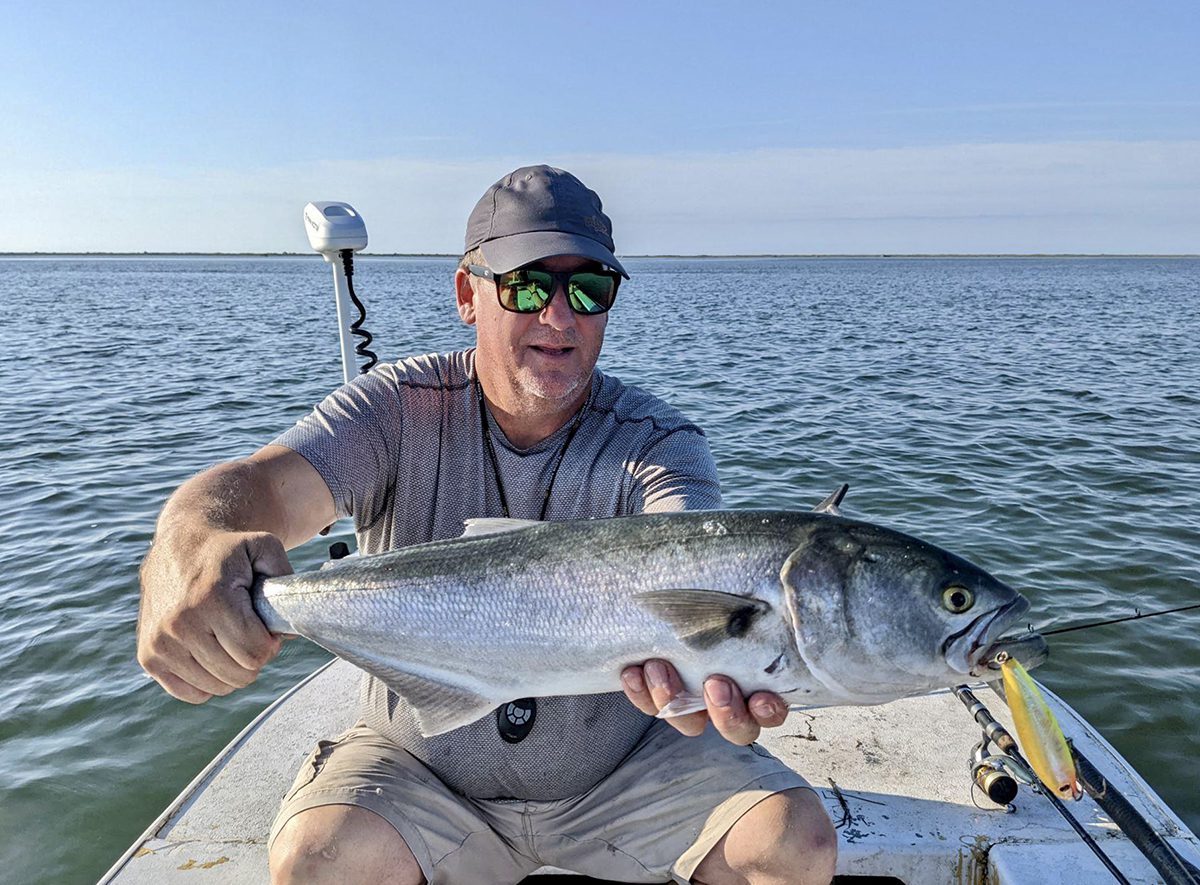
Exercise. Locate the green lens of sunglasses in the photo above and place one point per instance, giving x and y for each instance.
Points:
(529, 291)
(526, 293)
(591, 292)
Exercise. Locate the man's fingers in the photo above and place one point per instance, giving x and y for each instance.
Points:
(181, 690)
(192, 652)
(728, 712)
(651, 686)
(211, 652)
(174, 668)
(212, 658)
(633, 680)
(267, 556)
(244, 637)
(664, 683)
(768, 708)
(243, 645)
(249, 649)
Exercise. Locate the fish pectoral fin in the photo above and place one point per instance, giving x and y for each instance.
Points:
(489, 525)
(704, 619)
(437, 706)
(683, 703)
(830, 504)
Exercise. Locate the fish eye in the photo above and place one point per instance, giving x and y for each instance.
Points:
(957, 599)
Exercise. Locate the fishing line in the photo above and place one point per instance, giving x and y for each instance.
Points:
(1134, 617)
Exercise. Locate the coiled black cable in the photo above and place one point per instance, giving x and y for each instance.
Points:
(356, 326)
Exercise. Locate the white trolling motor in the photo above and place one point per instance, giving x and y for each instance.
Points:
(337, 231)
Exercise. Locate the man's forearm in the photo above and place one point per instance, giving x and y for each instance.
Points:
(232, 497)
(275, 490)
(198, 635)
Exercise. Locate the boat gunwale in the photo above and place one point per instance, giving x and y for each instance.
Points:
(199, 781)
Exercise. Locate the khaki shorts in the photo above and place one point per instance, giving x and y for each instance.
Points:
(652, 820)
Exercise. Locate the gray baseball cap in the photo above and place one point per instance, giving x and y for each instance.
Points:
(538, 212)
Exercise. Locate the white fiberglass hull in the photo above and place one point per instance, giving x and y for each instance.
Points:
(894, 778)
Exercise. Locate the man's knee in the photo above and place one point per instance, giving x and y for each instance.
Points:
(342, 843)
(787, 837)
(805, 836)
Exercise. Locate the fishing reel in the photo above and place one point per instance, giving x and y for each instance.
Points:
(997, 774)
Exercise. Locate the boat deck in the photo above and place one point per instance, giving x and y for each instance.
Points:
(894, 778)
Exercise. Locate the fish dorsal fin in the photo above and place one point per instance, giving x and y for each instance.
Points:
(830, 504)
(495, 525)
(704, 619)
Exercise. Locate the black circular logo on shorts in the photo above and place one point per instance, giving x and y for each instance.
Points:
(514, 721)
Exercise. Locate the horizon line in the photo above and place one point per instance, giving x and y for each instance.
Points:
(701, 255)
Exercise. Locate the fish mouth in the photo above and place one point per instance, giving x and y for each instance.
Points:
(1029, 649)
(970, 649)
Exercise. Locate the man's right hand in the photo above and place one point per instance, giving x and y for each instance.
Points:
(198, 635)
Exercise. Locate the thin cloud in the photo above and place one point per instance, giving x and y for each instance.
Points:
(1093, 196)
(1035, 106)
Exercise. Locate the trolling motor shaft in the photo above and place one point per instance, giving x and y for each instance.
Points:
(337, 231)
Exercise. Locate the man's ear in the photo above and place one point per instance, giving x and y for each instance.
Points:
(464, 294)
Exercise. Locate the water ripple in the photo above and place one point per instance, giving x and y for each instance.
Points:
(1038, 416)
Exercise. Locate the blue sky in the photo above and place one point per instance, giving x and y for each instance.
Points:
(706, 127)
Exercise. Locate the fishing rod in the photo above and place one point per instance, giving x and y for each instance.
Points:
(1161, 854)
(999, 735)
(1174, 869)
(1137, 616)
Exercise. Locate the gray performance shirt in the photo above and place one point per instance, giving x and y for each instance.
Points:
(402, 451)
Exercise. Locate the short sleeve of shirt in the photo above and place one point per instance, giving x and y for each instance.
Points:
(676, 473)
(350, 438)
(667, 462)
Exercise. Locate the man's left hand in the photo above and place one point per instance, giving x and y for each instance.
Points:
(651, 686)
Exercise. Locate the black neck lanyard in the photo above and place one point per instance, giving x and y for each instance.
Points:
(491, 450)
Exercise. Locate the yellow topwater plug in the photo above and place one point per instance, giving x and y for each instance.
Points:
(1038, 731)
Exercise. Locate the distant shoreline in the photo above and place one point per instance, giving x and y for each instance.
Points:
(699, 256)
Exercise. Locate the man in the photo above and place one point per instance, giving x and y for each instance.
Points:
(522, 426)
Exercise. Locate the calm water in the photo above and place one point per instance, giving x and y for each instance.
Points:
(1041, 417)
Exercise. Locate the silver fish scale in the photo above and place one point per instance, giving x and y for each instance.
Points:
(550, 609)
(560, 608)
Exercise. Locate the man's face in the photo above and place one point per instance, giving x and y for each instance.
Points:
(545, 360)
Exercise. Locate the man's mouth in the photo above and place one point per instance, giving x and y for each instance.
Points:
(551, 351)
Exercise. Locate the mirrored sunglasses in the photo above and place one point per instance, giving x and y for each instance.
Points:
(529, 289)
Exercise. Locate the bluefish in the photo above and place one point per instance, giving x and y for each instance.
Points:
(822, 609)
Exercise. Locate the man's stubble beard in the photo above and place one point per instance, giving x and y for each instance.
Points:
(542, 396)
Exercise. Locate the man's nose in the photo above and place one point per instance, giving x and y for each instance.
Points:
(557, 313)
